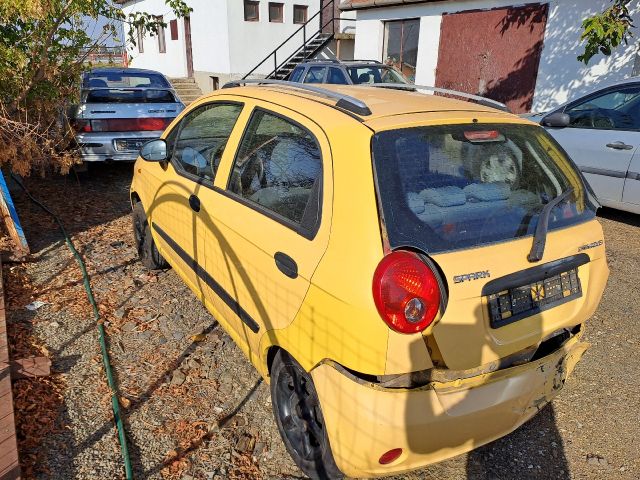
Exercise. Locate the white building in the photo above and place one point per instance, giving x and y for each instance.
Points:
(226, 39)
(520, 52)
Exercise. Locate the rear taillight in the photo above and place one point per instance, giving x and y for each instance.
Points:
(130, 124)
(83, 126)
(406, 292)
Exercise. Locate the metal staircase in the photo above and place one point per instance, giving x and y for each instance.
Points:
(313, 39)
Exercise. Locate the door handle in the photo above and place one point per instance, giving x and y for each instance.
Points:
(194, 203)
(619, 146)
(286, 264)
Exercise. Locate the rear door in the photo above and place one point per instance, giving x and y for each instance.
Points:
(272, 215)
(602, 138)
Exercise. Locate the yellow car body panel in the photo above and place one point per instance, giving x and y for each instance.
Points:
(326, 318)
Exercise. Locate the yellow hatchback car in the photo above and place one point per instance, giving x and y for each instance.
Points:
(411, 273)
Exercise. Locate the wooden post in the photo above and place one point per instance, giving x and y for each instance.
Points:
(11, 220)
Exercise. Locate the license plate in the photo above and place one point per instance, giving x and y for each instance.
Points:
(516, 303)
(130, 144)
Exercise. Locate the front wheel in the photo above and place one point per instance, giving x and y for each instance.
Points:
(147, 250)
(299, 418)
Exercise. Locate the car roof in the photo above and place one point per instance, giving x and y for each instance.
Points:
(122, 70)
(348, 63)
(382, 102)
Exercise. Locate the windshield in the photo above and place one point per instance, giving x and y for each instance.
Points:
(124, 80)
(123, 95)
(460, 186)
(375, 74)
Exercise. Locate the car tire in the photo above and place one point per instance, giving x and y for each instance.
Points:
(299, 418)
(147, 250)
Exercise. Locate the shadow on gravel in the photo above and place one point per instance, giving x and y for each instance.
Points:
(195, 444)
(81, 201)
(534, 451)
(138, 402)
(619, 216)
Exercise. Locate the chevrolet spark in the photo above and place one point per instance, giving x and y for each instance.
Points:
(410, 273)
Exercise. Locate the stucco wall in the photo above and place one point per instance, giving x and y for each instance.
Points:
(560, 76)
(173, 63)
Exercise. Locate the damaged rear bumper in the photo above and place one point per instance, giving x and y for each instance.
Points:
(437, 421)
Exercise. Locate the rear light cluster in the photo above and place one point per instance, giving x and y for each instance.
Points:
(122, 125)
(406, 292)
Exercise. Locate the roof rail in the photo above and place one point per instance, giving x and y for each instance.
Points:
(487, 102)
(377, 62)
(344, 102)
(321, 60)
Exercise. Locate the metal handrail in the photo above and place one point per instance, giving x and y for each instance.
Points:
(487, 102)
(302, 28)
(345, 102)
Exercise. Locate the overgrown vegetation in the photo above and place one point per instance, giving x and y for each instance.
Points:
(607, 30)
(43, 48)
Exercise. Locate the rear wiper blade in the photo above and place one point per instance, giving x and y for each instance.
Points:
(540, 237)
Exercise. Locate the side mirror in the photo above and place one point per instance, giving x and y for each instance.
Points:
(154, 151)
(556, 120)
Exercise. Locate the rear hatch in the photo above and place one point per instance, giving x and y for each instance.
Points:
(472, 197)
(127, 110)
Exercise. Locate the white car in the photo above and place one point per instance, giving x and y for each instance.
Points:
(601, 133)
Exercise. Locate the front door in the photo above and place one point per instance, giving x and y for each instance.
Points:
(271, 220)
(602, 137)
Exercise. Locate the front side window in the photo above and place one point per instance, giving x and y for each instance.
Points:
(296, 75)
(251, 11)
(201, 140)
(336, 76)
(279, 167)
(401, 46)
(460, 186)
(315, 75)
(614, 110)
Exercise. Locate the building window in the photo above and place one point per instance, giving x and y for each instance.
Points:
(251, 11)
(276, 12)
(401, 45)
(162, 40)
(140, 40)
(300, 14)
(173, 27)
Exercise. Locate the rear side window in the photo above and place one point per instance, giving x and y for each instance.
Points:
(279, 167)
(201, 140)
(315, 75)
(460, 186)
(336, 76)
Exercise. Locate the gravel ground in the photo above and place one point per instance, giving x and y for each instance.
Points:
(195, 407)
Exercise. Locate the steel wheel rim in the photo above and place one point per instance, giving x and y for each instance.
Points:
(299, 414)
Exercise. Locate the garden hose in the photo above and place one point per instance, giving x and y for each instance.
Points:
(101, 332)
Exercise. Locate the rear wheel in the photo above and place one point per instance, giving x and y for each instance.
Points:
(147, 250)
(299, 418)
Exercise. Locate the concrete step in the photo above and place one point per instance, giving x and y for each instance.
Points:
(182, 80)
(188, 91)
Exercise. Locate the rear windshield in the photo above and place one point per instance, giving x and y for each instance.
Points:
(124, 80)
(460, 186)
(123, 95)
(367, 74)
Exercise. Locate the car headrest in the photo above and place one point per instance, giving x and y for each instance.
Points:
(97, 83)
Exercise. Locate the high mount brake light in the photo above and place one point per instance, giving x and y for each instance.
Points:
(406, 292)
(482, 135)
